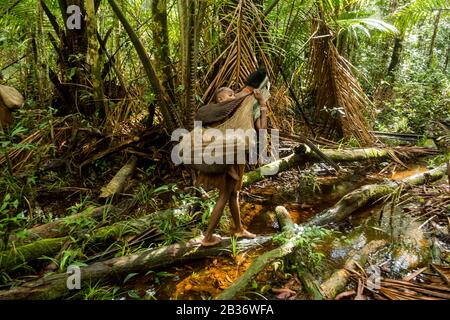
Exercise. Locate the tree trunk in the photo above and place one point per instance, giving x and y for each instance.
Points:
(74, 47)
(396, 52)
(94, 59)
(187, 9)
(171, 118)
(433, 38)
(160, 34)
(72, 51)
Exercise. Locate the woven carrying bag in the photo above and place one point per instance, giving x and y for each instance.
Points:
(221, 144)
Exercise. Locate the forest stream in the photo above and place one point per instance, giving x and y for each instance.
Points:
(224, 150)
(206, 278)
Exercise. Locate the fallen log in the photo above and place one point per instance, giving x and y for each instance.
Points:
(16, 256)
(317, 152)
(47, 247)
(262, 261)
(370, 193)
(62, 227)
(116, 185)
(310, 284)
(135, 226)
(339, 279)
(337, 155)
(55, 286)
(264, 171)
(398, 136)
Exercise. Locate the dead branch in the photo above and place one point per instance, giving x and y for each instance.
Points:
(116, 185)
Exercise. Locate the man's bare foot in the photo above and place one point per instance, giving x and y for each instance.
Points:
(212, 241)
(244, 234)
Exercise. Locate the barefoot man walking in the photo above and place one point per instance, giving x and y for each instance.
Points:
(229, 183)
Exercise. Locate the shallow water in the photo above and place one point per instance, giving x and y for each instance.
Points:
(207, 278)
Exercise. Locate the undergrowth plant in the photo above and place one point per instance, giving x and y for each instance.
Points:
(306, 241)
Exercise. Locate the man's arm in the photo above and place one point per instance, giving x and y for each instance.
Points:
(261, 122)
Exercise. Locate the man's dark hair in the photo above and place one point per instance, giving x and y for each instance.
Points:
(255, 79)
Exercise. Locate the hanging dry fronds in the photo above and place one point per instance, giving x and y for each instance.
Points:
(243, 51)
(340, 107)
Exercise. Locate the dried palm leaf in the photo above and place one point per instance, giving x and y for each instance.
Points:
(244, 51)
(341, 107)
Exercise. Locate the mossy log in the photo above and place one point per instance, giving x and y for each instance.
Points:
(359, 154)
(262, 261)
(116, 185)
(310, 284)
(135, 226)
(51, 246)
(16, 256)
(62, 227)
(370, 193)
(54, 286)
(339, 279)
(337, 155)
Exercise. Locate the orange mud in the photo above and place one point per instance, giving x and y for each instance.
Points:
(249, 211)
(300, 212)
(217, 275)
(415, 169)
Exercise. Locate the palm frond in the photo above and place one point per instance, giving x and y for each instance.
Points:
(366, 26)
(245, 50)
(411, 13)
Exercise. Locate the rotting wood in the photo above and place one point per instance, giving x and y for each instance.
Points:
(55, 285)
(116, 185)
(339, 279)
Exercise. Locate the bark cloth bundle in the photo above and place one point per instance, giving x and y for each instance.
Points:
(222, 144)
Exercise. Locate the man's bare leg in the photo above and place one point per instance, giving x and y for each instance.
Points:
(233, 173)
(210, 239)
(235, 211)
